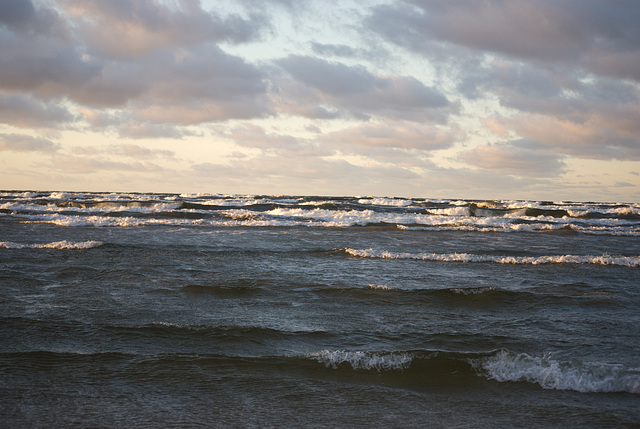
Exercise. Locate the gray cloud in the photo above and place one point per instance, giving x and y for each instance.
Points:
(331, 78)
(24, 111)
(170, 69)
(16, 14)
(603, 37)
(149, 25)
(199, 85)
(361, 93)
(26, 143)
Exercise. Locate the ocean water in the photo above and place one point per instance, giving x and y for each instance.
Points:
(166, 310)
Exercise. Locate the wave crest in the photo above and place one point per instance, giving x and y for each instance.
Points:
(627, 261)
(60, 245)
(363, 360)
(552, 374)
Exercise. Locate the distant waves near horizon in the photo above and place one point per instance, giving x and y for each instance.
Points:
(185, 310)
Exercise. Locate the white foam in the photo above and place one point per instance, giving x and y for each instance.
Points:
(453, 211)
(61, 245)
(627, 261)
(454, 217)
(59, 195)
(395, 202)
(552, 374)
(363, 360)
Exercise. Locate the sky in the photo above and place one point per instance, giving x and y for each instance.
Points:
(474, 99)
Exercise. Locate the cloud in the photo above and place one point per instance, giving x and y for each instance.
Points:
(362, 93)
(16, 14)
(253, 136)
(23, 17)
(602, 37)
(149, 25)
(299, 174)
(43, 66)
(391, 134)
(24, 111)
(514, 158)
(69, 164)
(26, 143)
(599, 137)
(170, 71)
(125, 150)
(188, 87)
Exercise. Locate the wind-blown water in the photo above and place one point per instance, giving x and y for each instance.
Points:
(164, 310)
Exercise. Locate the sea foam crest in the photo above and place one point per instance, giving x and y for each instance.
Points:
(61, 245)
(395, 202)
(552, 374)
(627, 261)
(363, 360)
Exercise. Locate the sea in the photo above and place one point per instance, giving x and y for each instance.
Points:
(154, 310)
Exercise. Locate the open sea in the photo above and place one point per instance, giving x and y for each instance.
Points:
(126, 310)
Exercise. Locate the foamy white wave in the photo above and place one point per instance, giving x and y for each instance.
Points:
(627, 261)
(72, 221)
(331, 217)
(345, 218)
(521, 205)
(64, 244)
(363, 360)
(395, 202)
(106, 206)
(453, 211)
(552, 374)
(59, 195)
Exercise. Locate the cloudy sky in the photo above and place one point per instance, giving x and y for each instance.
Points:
(518, 99)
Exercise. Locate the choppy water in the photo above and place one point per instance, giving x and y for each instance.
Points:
(162, 310)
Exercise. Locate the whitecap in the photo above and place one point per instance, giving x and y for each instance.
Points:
(627, 261)
(360, 360)
(60, 245)
(394, 202)
(560, 375)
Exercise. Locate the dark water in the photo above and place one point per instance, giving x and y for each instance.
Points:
(131, 310)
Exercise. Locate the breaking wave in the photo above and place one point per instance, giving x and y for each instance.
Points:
(553, 374)
(501, 366)
(132, 210)
(627, 261)
(363, 360)
(60, 245)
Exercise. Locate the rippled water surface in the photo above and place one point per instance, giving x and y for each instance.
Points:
(163, 310)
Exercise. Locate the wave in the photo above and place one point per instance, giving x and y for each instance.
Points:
(60, 245)
(409, 368)
(502, 366)
(130, 210)
(395, 202)
(483, 297)
(363, 360)
(221, 291)
(549, 373)
(627, 261)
